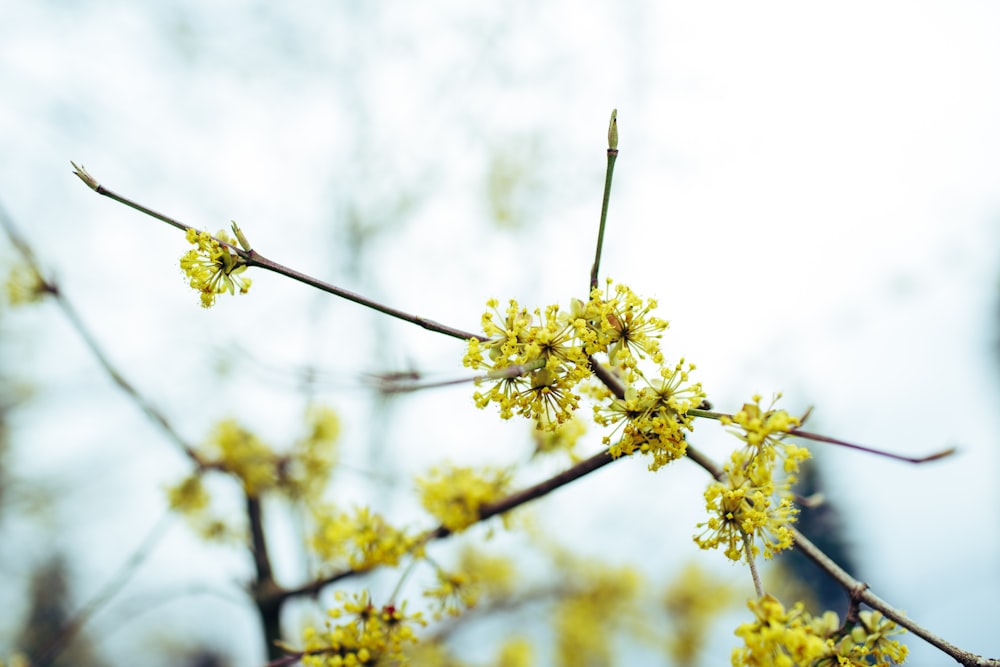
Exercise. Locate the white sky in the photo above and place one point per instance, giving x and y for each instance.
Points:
(810, 191)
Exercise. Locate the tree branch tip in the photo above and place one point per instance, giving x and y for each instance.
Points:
(943, 454)
(85, 176)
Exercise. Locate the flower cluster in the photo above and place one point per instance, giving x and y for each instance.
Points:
(561, 439)
(26, 286)
(749, 505)
(693, 600)
(653, 417)
(793, 638)
(477, 576)
(302, 473)
(537, 360)
(362, 539)
(361, 634)
(454, 495)
(213, 268)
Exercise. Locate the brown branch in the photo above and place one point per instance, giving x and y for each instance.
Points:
(857, 590)
(860, 591)
(255, 259)
(71, 627)
(486, 511)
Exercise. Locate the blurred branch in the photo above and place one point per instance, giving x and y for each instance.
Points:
(76, 322)
(58, 643)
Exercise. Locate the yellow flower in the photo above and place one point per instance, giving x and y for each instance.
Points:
(534, 361)
(26, 286)
(477, 576)
(745, 508)
(623, 325)
(777, 637)
(652, 419)
(212, 268)
(793, 638)
(454, 495)
(363, 539)
(364, 634)
(242, 454)
(764, 432)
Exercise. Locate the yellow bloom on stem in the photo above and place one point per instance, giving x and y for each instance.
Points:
(477, 576)
(624, 326)
(361, 633)
(744, 509)
(363, 539)
(534, 361)
(454, 495)
(764, 432)
(241, 453)
(652, 419)
(213, 268)
(793, 638)
(26, 286)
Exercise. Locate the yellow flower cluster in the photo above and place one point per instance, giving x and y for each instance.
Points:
(793, 638)
(587, 619)
(361, 539)
(302, 473)
(361, 634)
(477, 576)
(564, 438)
(749, 504)
(25, 286)
(536, 361)
(239, 452)
(453, 495)
(764, 432)
(693, 600)
(651, 419)
(213, 268)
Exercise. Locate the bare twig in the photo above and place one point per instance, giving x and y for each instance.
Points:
(799, 433)
(58, 644)
(76, 322)
(609, 174)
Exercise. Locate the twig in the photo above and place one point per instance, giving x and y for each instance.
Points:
(871, 450)
(709, 414)
(486, 511)
(255, 259)
(76, 322)
(860, 591)
(612, 156)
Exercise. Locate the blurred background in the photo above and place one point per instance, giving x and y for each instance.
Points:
(812, 194)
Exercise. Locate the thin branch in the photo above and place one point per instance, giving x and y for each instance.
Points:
(871, 450)
(255, 259)
(748, 547)
(76, 322)
(798, 433)
(860, 591)
(486, 511)
(609, 174)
